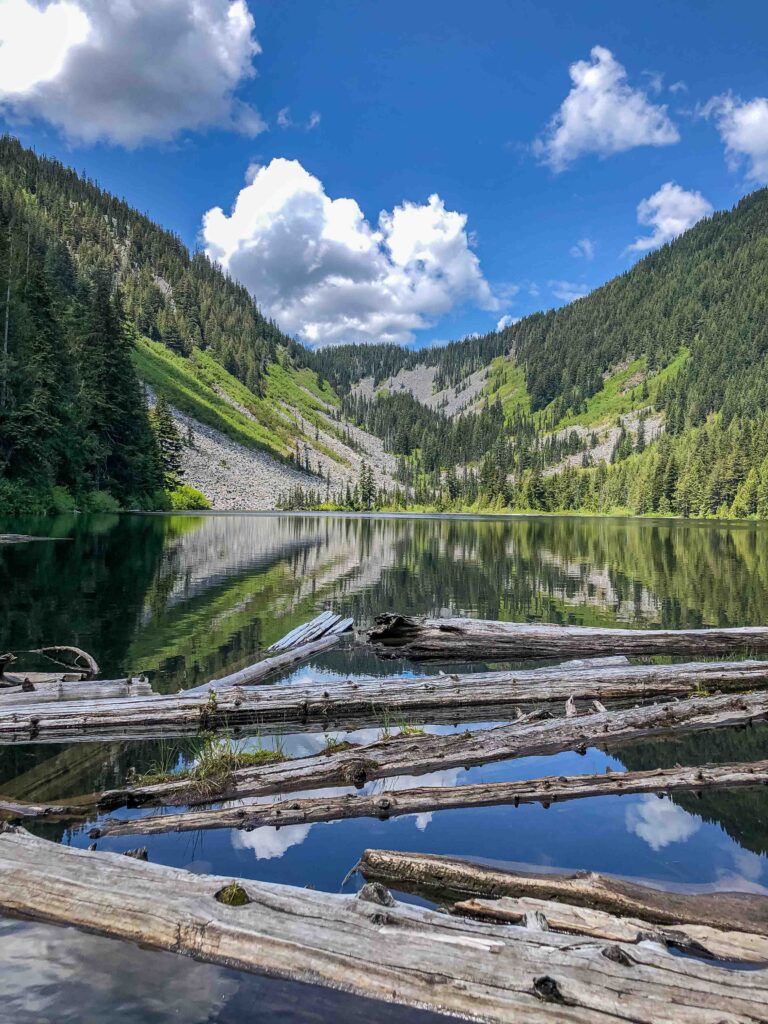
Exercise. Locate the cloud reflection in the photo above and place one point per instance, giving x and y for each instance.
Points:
(660, 822)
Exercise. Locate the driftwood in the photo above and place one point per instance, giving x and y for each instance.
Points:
(697, 940)
(545, 791)
(393, 952)
(418, 755)
(453, 879)
(357, 703)
(261, 669)
(322, 633)
(423, 639)
(67, 690)
(17, 810)
(325, 623)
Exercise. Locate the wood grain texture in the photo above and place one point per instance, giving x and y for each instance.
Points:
(597, 924)
(455, 879)
(397, 953)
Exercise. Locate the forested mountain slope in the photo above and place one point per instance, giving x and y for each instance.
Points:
(130, 368)
(98, 302)
(647, 395)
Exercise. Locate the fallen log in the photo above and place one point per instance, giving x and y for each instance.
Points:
(394, 952)
(697, 940)
(420, 754)
(432, 798)
(83, 661)
(439, 877)
(18, 810)
(66, 690)
(423, 639)
(362, 702)
(261, 669)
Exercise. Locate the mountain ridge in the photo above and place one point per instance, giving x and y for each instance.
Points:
(613, 402)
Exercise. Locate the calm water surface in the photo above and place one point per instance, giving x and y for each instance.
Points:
(186, 598)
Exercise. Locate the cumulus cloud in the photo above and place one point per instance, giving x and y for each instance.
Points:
(602, 114)
(660, 822)
(743, 127)
(325, 273)
(128, 72)
(583, 249)
(669, 212)
(568, 291)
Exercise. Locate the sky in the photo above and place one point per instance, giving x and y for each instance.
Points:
(402, 171)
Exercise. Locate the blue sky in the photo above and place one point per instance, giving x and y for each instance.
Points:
(411, 100)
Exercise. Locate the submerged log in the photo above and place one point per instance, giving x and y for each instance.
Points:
(418, 755)
(555, 789)
(399, 953)
(697, 940)
(18, 810)
(449, 878)
(423, 639)
(357, 703)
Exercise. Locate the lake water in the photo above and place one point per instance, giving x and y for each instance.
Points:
(188, 598)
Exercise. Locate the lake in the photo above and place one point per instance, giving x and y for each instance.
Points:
(185, 598)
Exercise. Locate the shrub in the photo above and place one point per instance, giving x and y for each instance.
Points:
(186, 499)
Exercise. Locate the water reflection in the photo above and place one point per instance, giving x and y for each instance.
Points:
(191, 597)
(54, 975)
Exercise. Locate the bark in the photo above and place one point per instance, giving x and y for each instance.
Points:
(418, 755)
(453, 879)
(698, 940)
(430, 798)
(423, 639)
(403, 954)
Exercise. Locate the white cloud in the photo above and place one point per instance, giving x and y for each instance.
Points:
(669, 212)
(743, 127)
(128, 72)
(324, 273)
(677, 87)
(507, 321)
(568, 291)
(660, 822)
(285, 120)
(583, 249)
(602, 114)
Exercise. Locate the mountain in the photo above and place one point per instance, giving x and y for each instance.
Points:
(104, 314)
(648, 395)
(134, 373)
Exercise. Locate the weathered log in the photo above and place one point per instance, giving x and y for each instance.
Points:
(449, 878)
(357, 703)
(555, 789)
(65, 690)
(17, 810)
(261, 669)
(417, 755)
(424, 639)
(698, 940)
(399, 953)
